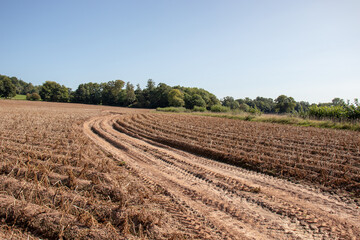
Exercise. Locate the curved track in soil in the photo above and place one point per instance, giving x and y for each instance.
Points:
(218, 201)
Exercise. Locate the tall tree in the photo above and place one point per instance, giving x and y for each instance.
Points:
(130, 94)
(284, 104)
(197, 100)
(7, 88)
(176, 98)
(111, 94)
(54, 92)
(29, 88)
(159, 96)
(140, 98)
(338, 102)
(230, 102)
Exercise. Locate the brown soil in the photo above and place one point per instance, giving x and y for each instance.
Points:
(71, 171)
(236, 203)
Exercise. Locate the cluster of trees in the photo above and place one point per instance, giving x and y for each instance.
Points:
(15, 86)
(282, 104)
(7, 88)
(53, 92)
(117, 93)
(10, 86)
(114, 93)
(110, 93)
(33, 96)
(337, 110)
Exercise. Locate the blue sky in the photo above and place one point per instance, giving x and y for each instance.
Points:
(307, 49)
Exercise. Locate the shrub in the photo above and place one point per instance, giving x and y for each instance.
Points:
(328, 112)
(171, 109)
(199, 109)
(255, 111)
(33, 97)
(219, 108)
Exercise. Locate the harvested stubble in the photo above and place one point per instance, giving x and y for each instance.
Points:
(327, 158)
(55, 183)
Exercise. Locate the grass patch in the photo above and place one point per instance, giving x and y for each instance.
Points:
(297, 121)
(172, 109)
(199, 109)
(19, 97)
(281, 119)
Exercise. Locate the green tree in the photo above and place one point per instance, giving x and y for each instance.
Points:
(140, 98)
(80, 94)
(130, 94)
(213, 100)
(176, 98)
(29, 88)
(112, 92)
(302, 107)
(284, 104)
(338, 102)
(209, 98)
(230, 102)
(249, 102)
(150, 94)
(147, 98)
(33, 96)
(7, 88)
(197, 100)
(244, 107)
(54, 92)
(159, 96)
(265, 105)
(88, 93)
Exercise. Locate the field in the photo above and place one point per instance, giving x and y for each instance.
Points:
(71, 171)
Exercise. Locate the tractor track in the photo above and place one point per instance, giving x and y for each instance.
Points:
(213, 200)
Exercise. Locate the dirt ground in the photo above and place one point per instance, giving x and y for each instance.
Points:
(94, 182)
(227, 201)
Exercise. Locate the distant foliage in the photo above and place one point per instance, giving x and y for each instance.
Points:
(219, 108)
(284, 104)
(33, 97)
(265, 105)
(130, 96)
(112, 93)
(53, 92)
(199, 109)
(230, 103)
(197, 101)
(176, 98)
(198, 97)
(336, 112)
(172, 109)
(87, 93)
(255, 111)
(7, 88)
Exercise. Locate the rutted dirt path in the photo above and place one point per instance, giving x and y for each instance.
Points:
(218, 201)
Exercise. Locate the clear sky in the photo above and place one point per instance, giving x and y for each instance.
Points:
(308, 49)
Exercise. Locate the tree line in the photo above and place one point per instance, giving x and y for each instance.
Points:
(113, 93)
(337, 109)
(119, 93)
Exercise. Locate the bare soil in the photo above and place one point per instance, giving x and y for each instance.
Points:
(228, 202)
(68, 171)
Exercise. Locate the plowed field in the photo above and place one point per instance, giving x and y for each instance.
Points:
(91, 172)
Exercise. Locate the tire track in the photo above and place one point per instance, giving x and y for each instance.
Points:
(232, 202)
